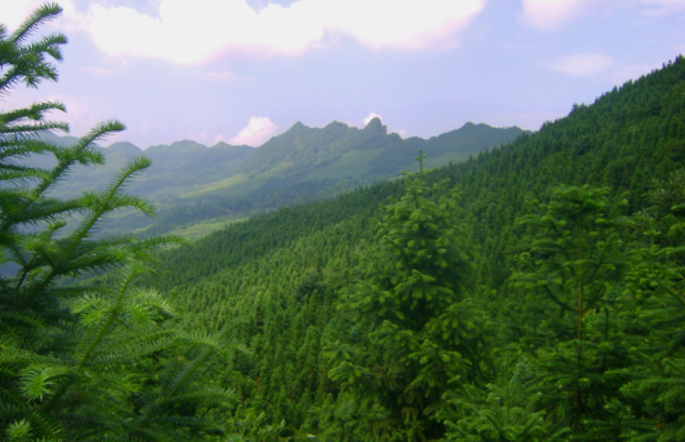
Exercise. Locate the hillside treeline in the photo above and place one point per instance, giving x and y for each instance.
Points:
(532, 293)
(565, 286)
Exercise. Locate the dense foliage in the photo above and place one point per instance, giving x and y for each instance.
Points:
(85, 362)
(569, 311)
(533, 293)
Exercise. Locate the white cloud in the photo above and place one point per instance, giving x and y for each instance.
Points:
(596, 65)
(194, 32)
(581, 65)
(548, 15)
(257, 132)
(402, 24)
(371, 116)
(100, 72)
(14, 12)
(228, 77)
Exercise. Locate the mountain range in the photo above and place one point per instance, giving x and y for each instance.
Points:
(207, 187)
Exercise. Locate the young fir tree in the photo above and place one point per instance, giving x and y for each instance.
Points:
(572, 277)
(503, 411)
(419, 333)
(83, 362)
(653, 313)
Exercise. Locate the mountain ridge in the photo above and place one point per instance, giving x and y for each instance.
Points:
(375, 124)
(190, 182)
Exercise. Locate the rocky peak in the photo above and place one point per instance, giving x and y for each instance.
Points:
(376, 127)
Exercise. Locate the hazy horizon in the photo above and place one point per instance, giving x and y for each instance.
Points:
(242, 71)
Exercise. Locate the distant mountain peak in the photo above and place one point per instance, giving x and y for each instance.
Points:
(178, 146)
(125, 146)
(187, 144)
(296, 128)
(335, 124)
(375, 126)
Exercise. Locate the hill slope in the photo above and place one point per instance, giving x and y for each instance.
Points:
(286, 274)
(191, 183)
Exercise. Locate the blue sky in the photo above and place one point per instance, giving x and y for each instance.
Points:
(241, 71)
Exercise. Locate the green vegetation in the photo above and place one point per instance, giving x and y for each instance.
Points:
(416, 329)
(87, 361)
(191, 183)
(566, 327)
(533, 293)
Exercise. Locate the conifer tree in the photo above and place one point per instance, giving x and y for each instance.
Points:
(503, 411)
(419, 332)
(572, 278)
(653, 312)
(85, 361)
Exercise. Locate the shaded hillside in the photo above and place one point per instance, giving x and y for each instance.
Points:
(175, 167)
(369, 153)
(287, 274)
(620, 141)
(191, 183)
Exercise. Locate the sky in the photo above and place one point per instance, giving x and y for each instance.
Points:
(242, 71)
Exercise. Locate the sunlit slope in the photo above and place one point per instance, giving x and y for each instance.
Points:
(282, 273)
(191, 183)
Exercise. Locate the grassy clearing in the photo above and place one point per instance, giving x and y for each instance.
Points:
(196, 231)
(216, 185)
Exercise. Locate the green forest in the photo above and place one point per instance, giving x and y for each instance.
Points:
(197, 189)
(534, 292)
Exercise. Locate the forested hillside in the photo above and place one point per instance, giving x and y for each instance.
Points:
(547, 273)
(531, 293)
(197, 189)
